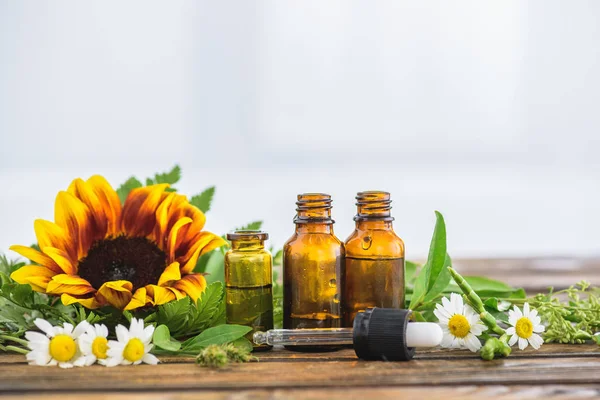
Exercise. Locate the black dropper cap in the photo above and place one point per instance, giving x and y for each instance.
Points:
(380, 334)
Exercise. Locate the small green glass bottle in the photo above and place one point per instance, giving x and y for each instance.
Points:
(249, 282)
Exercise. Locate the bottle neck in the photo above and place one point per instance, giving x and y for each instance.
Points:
(374, 225)
(313, 213)
(373, 206)
(247, 245)
(314, 228)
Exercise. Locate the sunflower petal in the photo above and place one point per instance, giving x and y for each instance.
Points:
(140, 208)
(51, 235)
(162, 220)
(160, 295)
(206, 242)
(37, 257)
(34, 275)
(171, 273)
(172, 240)
(116, 293)
(74, 217)
(140, 299)
(61, 258)
(89, 302)
(110, 202)
(70, 284)
(193, 285)
(85, 192)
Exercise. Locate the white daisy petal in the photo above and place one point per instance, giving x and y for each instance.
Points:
(518, 313)
(44, 326)
(101, 330)
(447, 341)
(539, 328)
(122, 333)
(472, 343)
(510, 331)
(446, 303)
(526, 310)
(535, 320)
(67, 328)
(150, 359)
(513, 340)
(532, 314)
(522, 343)
(65, 365)
(80, 329)
(36, 337)
(535, 341)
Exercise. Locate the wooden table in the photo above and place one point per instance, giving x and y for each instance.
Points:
(555, 371)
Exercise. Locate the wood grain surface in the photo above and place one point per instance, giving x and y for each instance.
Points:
(555, 371)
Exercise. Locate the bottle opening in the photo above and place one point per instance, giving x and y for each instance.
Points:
(313, 207)
(373, 204)
(243, 234)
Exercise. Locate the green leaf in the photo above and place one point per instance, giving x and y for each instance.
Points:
(410, 271)
(162, 338)
(499, 315)
(170, 177)
(437, 250)
(128, 186)
(204, 199)
(420, 289)
(216, 335)
(243, 344)
(484, 287)
(441, 282)
(219, 318)
(215, 267)
(252, 226)
(206, 308)
(174, 314)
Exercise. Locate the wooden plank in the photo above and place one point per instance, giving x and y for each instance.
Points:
(304, 373)
(471, 392)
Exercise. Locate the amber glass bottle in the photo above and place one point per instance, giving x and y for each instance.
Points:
(374, 266)
(248, 282)
(312, 265)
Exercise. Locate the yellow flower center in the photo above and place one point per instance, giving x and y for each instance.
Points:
(99, 347)
(62, 348)
(459, 326)
(524, 328)
(134, 350)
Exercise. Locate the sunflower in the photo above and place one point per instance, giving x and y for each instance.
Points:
(99, 253)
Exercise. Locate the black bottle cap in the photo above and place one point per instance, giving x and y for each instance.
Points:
(380, 334)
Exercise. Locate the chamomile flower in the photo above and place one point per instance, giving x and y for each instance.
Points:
(460, 323)
(57, 346)
(525, 327)
(132, 346)
(94, 344)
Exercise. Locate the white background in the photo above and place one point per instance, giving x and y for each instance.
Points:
(487, 111)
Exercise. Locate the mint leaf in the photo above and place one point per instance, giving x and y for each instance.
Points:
(204, 199)
(437, 250)
(409, 271)
(216, 335)
(128, 186)
(420, 289)
(441, 282)
(162, 339)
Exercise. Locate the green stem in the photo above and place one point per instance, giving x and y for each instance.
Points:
(14, 339)
(474, 301)
(17, 349)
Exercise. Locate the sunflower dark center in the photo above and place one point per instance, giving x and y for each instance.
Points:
(137, 260)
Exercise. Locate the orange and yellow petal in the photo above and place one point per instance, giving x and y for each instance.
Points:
(37, 257)
(61, 258)
(139, 211)
(140, 299)
(172, 241)
(75, 218)
(116, 293)
(160, 295)
(193, 285)
(69, 284)
(49, 234)
(87, 302)
(171, 273)
(109, 199)
(161, 229)
(86, 194)
(35, 275)
(205, 242)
